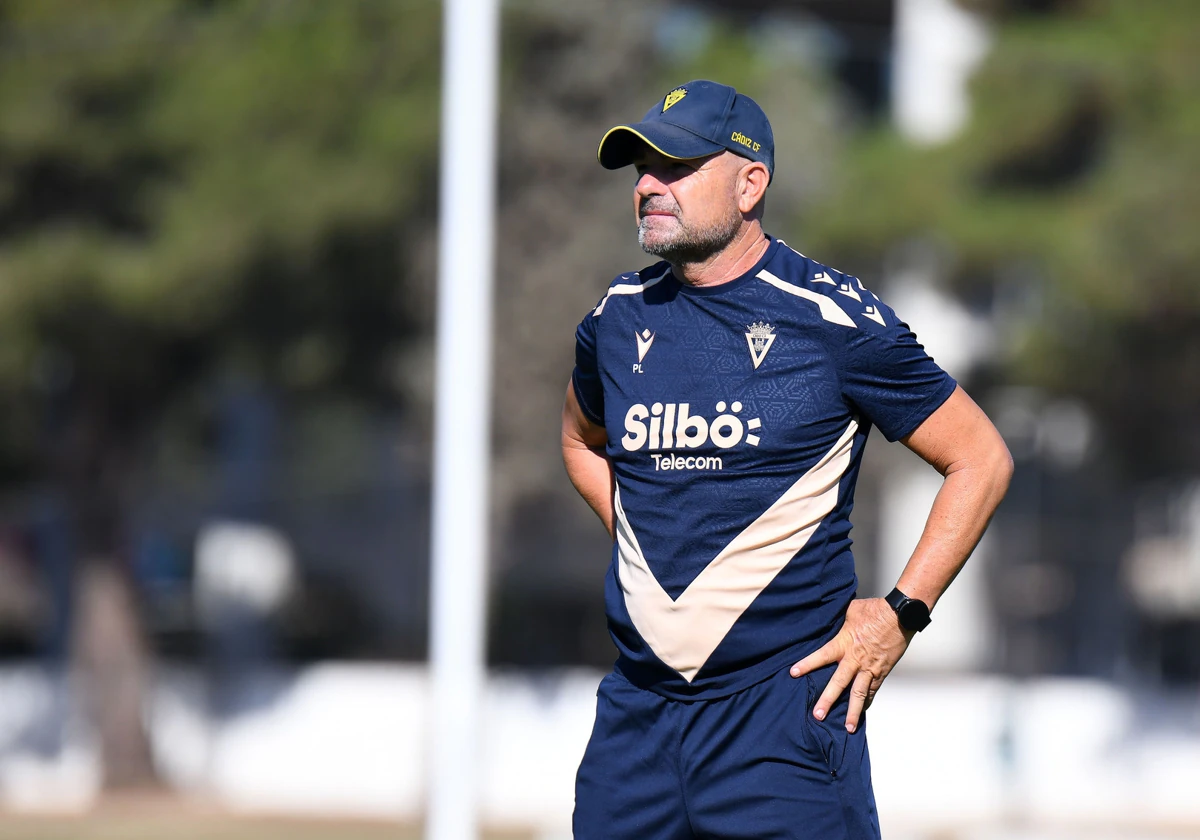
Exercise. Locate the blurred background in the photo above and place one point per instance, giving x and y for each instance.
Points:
(217, 285)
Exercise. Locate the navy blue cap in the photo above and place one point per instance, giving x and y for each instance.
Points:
(694, 120)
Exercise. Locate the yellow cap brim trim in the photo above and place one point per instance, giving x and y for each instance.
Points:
(641, 137)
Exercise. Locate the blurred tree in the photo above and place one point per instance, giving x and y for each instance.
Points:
(1071, 196)
(570, 72)
(191, 191)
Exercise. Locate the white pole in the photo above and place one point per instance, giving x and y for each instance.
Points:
(462, 415)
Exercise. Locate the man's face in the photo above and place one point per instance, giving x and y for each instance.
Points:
(686, 210)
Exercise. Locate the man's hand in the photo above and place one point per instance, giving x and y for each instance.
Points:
(961, 443)
(866, 649)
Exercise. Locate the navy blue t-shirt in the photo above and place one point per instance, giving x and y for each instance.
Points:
(736, 418)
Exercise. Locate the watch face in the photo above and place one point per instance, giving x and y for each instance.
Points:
(914, 615)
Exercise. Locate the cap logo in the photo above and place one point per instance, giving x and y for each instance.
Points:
(738, 137)
(673, 97)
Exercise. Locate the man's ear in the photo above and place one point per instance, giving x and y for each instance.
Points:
(752, 186)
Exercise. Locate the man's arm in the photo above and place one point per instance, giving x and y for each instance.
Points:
(587, 464)
(961, 443)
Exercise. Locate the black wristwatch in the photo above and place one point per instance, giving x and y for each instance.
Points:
(913, 614)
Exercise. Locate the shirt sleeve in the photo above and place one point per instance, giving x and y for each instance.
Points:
(586, 377)
(887, 375)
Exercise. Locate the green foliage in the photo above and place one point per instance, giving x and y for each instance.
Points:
(189, 187)
(1076, 180)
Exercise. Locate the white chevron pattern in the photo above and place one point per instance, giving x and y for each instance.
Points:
(684, 632)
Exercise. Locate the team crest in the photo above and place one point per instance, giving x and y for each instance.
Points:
(760, 338)
(673, 98)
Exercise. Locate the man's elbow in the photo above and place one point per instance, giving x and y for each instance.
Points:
(1000, 467)
(988, 463)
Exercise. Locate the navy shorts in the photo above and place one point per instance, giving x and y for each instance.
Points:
(753, 765)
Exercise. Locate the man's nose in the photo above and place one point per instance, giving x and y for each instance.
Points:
(650, 184)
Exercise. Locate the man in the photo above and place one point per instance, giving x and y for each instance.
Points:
(715, 422)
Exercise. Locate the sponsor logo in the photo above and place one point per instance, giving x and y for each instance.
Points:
(760, 337)
(691, 462)
(673, 98)
(673, 426)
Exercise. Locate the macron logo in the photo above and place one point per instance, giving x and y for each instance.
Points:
(644, 339)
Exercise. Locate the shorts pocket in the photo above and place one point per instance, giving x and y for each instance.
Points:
(829, 735)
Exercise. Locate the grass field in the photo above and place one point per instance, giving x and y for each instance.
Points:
(163, 827)
(176, 820)
(169, 819)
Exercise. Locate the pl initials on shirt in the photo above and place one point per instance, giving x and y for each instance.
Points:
(673, 426)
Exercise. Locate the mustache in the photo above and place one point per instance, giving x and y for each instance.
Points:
(649, 205)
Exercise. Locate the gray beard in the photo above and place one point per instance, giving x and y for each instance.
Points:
(693, 245)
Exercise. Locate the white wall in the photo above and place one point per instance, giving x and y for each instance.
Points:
(964, 757)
